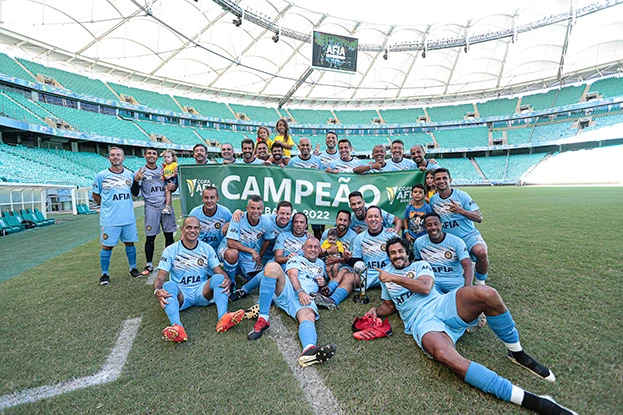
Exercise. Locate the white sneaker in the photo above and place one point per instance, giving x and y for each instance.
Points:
(482, 321)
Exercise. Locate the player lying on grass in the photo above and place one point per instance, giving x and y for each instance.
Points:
(291, 293)
(195, 279)
(437, 321)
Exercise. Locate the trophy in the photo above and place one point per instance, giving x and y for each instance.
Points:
(361, 297)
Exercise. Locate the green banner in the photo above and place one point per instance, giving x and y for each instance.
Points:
(316, 193)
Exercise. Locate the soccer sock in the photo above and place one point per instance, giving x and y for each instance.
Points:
(168, 239)
(307, 333)
(339, 295)
(504, 327)
(267, 290)
(488, 381)
(130, 251)
(219, 297)
(479, 276)
(149, 248)
(230, 269)
(332, 285)
(173, 308)
(105, 255)
(253, 283)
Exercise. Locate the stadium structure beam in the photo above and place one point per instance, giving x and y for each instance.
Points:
(373, 62)
(295, 87)
(106, 33)
(508, 43)
(232, 7)
(565, 45)
(456, 60)
(415, 56)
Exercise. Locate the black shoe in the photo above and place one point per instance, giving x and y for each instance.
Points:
(326, 302)
(525, 361)
(324, 290)
(315, 354)
(237, 295)
(544, 405)
(260, 327)
(104, 279)
(134, 273)
(147, 270)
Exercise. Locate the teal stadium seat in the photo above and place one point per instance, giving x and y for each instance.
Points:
(608, 88)
(449, 113)
(37, 213)
(402, 116)
(569, 95)
(10, 67)
(356, 117)
(540, 101)
(305, 116)
(497, 107)
(463, 137)
(6, 228)
(261, 114)
(148, 98)
(207, 108)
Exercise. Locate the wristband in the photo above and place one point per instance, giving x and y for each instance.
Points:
(157, 289)
(299, 290)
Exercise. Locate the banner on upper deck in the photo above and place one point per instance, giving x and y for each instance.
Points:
(316, 193)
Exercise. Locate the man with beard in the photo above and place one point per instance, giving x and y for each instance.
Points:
(398, 160)
(437, 321)
(248, 153)
(378, 165)
(289, 244)
(346, 163)
(358, 217)
(277, 158)
(200, 154)
(330, 154)
(418, 155)
(148, 182)
(214, 218)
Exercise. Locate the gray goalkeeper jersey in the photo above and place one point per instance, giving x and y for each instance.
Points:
(152, 187)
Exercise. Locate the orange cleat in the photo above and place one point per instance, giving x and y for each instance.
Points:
(229, 320)
(175, 333)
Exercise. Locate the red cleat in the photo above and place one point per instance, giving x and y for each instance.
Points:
(377, 331)
(365, 322)
(229, 320)
(175, 333)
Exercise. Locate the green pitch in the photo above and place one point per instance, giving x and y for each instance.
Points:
(556, 259)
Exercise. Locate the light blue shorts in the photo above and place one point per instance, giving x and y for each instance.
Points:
(193, 295)
(445, 285)
(110, 235)
(473, 240)
(246, 266)
(288, 301)
(439, 315)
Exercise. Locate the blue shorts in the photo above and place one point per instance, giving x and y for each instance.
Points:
(171, 180)
(110, 235)
(473, 240)
(193, 295)
(439, 315)
(288, 301)
(445, 285)
(154, 219)
(246, 266)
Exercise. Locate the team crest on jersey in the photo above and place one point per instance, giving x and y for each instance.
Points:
(259, 235)
(200, 262)
(148, 227)
(104, 236)
(217, 225)
(383, 246)
(410, 274)
(448, 255)
(128, 182)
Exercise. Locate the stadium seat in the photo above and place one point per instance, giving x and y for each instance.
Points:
(6, 228)
(37, 214)
(31, 217)
(14, 221)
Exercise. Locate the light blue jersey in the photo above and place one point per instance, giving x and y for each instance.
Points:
(346, 166)
(276, 231)
(290, 243)
(346, 240)
(328, 159)
(212, 226)
(404, 164)
(371, 249)
(386, 167)
(308, 271)
(454, 223)
(188, 267)
(115, 189)
(445, 258)
(360, 225)
(255, 161)
(408, 303)
(432, 166)
(251, 236)
(313, 162)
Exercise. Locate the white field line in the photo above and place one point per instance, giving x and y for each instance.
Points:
(317, 394)
(109, 373)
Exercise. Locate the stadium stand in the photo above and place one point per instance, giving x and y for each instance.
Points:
(519, 135)
(463, 137)
(460, 169)
(207, 108)
(569, 95)
(552, 132)
(223, 136)
(262, 114)
(362, 117)
(540, 101)
(413, 138)
(10, 67)
(497, 107)
(607, 88)
(71, 81)
(174, 133)
(11, 109)
(402, 116)
(449, 113)
(147, 98)
(303, 116)
(508, 168)
(605, 121)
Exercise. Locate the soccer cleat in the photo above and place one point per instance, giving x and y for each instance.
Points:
(482, 321)
(175, 333)
(375, 332)
(229, 320)
(315, 354)
(365, 322)
(104, 280)
(237, 295)
(260, 327)
(525, 361)
(479, 282)
(147, 270)
(325, 290)
(134, 273)
(544, 405)
(326, 302)
(252, 312)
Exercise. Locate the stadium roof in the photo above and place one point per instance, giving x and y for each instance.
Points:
(193, 48)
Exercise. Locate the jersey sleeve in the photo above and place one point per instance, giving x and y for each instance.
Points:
(279, 243)
(293, 263)
(424, 268)
(356, 246)
(97, 184)
(468, 203)
(384, 293)
(233, 232)
(461, 249)
(417, 246)
(166, 259)
(388, 219)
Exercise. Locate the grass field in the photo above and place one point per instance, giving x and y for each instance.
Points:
(556, 258)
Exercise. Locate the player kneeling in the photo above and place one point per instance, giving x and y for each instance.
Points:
(437, 321)
(195, 279)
